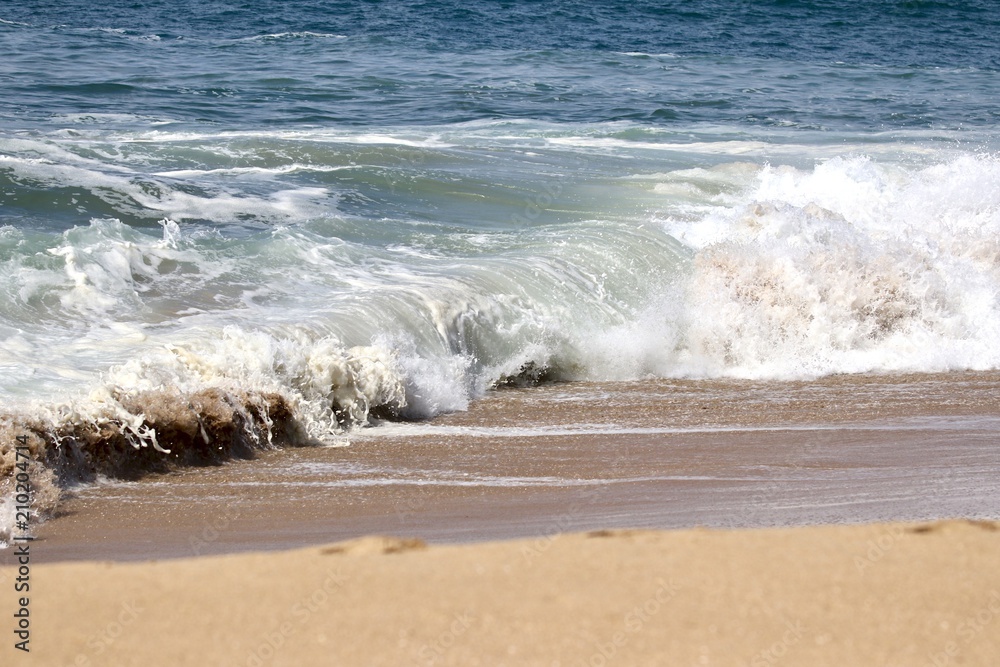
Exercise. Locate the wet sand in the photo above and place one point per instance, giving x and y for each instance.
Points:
(575, 457)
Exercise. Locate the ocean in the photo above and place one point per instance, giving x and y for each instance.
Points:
(226, 226)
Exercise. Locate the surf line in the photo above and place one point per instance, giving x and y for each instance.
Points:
(22, 583)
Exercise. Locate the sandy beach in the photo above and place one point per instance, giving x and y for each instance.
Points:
(894, 594)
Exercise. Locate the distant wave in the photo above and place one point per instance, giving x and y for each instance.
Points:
(293, 35)
(642, 54)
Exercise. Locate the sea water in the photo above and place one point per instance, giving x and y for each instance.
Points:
(359, 209)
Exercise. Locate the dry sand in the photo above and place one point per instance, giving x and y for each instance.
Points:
(891, 594)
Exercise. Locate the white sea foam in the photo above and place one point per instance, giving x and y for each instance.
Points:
(329, 386)
(134, 193)
(642, 54)
(253, 171)
(304, 34)
(850, 266)
(319, 135)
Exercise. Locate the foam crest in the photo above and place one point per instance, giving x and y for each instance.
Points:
(852, 266)
(103, 274)
(304, 34)
(328, 387)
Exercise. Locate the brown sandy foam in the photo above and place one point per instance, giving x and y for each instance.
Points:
(888, 594)
(203, 428)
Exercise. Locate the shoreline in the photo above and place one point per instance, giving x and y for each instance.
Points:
(522, 463)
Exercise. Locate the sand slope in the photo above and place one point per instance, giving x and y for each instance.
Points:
(833, 595)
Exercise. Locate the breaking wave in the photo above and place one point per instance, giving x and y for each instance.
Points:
(188, 346)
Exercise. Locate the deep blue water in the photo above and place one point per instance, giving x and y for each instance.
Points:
(882, 65)
(888, 32)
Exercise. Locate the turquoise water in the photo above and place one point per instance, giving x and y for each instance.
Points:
(363, 205)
